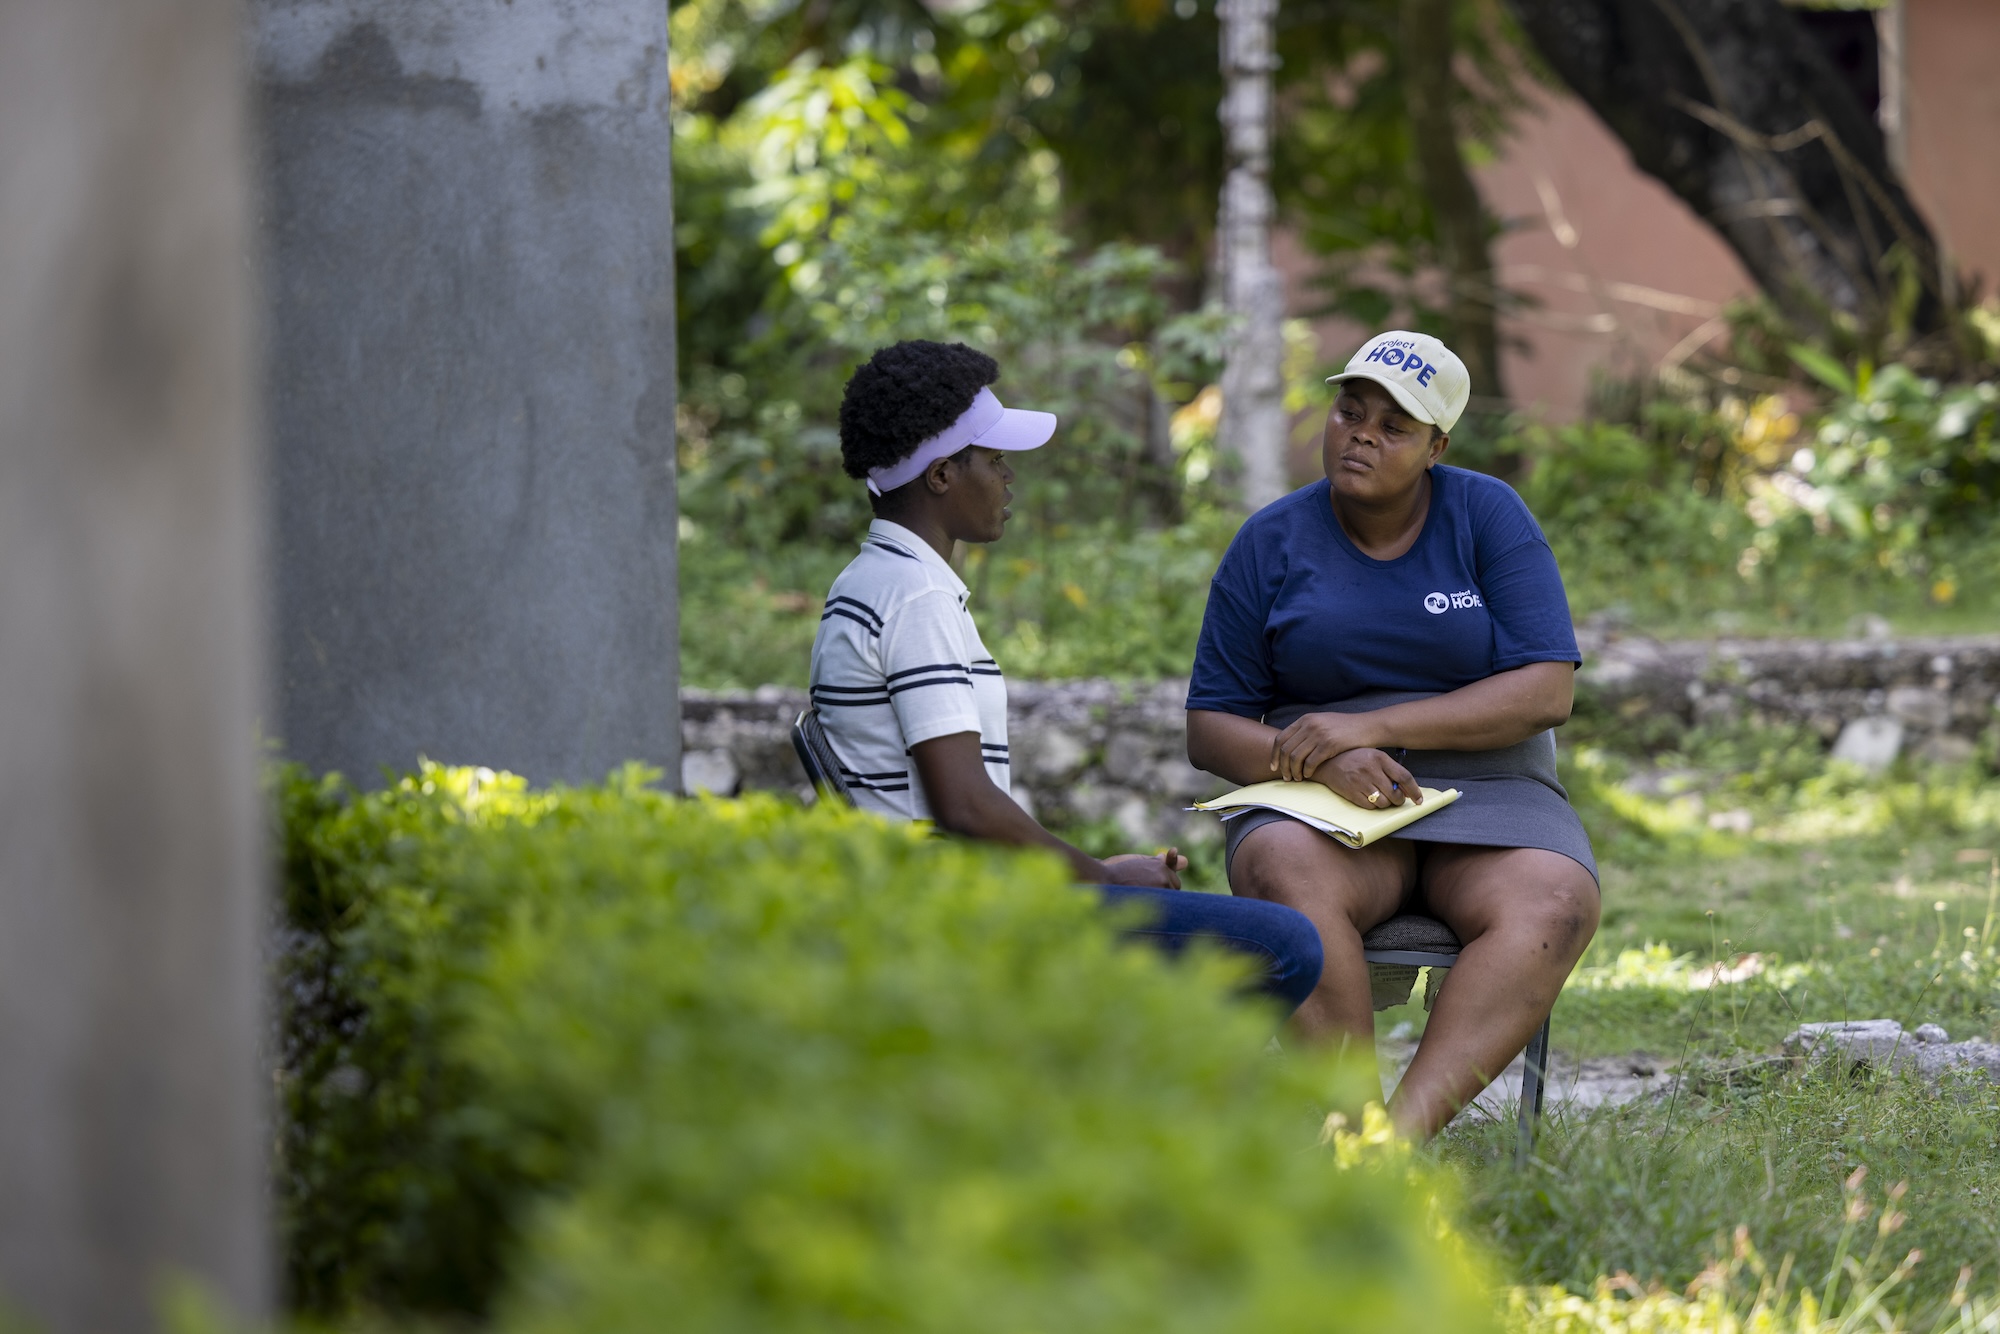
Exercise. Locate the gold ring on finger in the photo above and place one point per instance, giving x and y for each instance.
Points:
(1374, 796)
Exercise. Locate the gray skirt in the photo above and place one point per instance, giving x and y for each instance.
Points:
(1509, 798)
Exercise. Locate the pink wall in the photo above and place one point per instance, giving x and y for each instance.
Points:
(1952, 104)
(1620, 274)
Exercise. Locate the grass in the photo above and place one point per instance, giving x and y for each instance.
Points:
(1848, 898)
(1654, 1191)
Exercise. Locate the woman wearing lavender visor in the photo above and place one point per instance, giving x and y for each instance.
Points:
(914, 706)
(1403, 622)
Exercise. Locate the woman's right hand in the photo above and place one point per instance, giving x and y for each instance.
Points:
(1369, 778)
(1136, 868)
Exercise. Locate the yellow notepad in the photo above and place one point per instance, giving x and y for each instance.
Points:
(1328, 812)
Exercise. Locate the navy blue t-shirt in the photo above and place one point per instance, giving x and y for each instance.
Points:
(1298, 615)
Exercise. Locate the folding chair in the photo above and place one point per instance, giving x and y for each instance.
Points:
(816, 754)
(1400, 946)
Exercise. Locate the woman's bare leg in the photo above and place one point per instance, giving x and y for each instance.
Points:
(1524, 916)
(1344, 892)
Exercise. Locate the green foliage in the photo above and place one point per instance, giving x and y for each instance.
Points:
(765, 467)
(598, 1058)
(885, 178)
(1898, 459)
(1882, 505)
(864, 248)
(1627, 525)
(396, 1181)
(1084, 603)
(747, 617)
(1346, 160)
(1039, 182)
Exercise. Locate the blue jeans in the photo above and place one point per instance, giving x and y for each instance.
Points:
(1284, 944)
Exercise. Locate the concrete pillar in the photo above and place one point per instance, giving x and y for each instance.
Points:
(131, 1140)
(468, 222)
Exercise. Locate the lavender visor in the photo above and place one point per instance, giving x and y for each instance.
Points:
(985, 423)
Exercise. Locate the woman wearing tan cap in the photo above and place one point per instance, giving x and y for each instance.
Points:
(1401, 623)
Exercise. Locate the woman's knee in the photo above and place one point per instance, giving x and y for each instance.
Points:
(1302, 868)
(1520, 891)
(1562, 912)
(1570, 915)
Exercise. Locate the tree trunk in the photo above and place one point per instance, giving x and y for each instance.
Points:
(1733, 106)
(1429, 89)
(1253, 382)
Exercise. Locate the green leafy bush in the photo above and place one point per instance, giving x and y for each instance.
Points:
(831, 214)
(1741, 517)
(603, 1059)
(1897, 460)
(759, 449)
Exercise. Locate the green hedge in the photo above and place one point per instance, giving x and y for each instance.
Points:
(603, 1059)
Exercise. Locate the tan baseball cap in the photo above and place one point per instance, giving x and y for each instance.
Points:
(1425, 377)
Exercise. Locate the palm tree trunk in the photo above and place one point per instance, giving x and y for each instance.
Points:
(1253, 384)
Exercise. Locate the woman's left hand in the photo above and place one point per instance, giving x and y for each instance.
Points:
(1369, 778)
(1315, 739)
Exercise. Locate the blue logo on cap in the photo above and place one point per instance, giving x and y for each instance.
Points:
(1391, 354)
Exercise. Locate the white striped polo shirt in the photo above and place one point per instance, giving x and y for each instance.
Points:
(898, 661)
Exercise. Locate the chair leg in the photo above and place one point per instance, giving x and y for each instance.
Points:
(1534, 1077)
(1542, 1070)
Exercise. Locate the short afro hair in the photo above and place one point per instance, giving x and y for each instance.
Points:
(905, 394)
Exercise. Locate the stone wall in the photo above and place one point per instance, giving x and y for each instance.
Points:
(1868, 699)
(1082, 750)
(1098, 750)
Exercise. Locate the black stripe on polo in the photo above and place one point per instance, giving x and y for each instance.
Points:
(858, 605)
(874, 631)
(849, 773)
(965, 681)
(927, 667)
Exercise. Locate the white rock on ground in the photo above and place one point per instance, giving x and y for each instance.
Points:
(1883, 1042)
(1871, 743)
(709, 771)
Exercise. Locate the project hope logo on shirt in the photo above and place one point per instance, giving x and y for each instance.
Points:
(1437, 604)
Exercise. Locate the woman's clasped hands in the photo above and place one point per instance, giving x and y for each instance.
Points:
(1332, 749)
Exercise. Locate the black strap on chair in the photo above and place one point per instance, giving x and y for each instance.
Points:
(1396, 949)
(816, 755)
